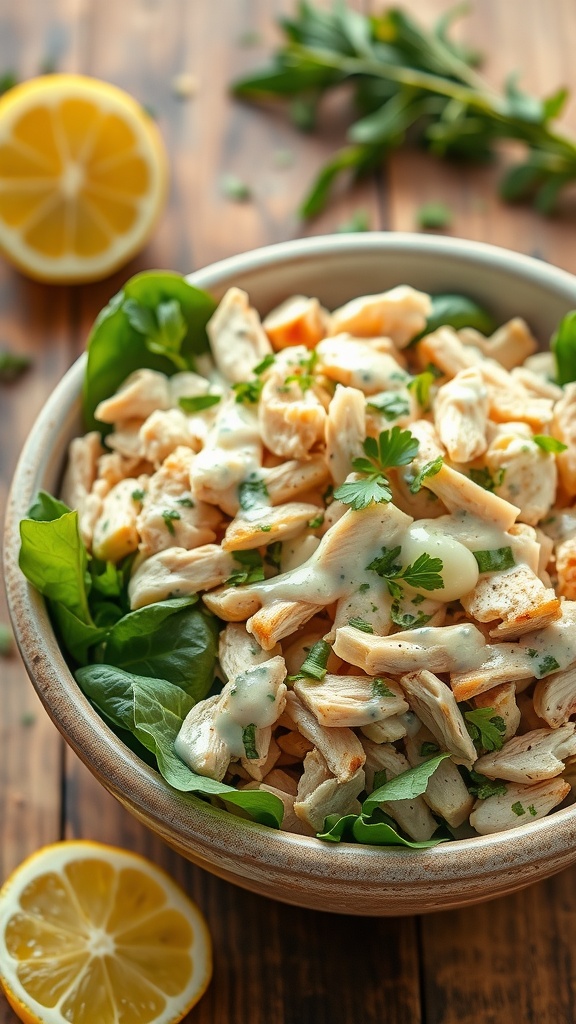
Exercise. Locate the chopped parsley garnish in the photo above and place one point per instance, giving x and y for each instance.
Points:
(391, 405)
(380, 688)
(484, 478)
(169, 515)
(274, 554)
(304, 377)
(358, 623)
(266, 363)
(251, 569)
(532, 810)
(483, 787)
(495, 560)
(518, 808)
(198, 403)
(486, 728)
(315, 664)
(407, 620)
(316, 522)
(248, 391)
(428, 749)
(138, 495)
(421, 384)
(185, 502)
(394, 447)
(549, 444)
(249, 742)
(545, 663)
(430, 469)
(252, 492)
(363, 588)
(423, 574)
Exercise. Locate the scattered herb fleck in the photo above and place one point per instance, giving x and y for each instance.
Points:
(249, 742)
(380, 688)
(549, 444)
(359, 623)
(197, 403)
(390, 404)
(169, 515)
(496, 560)
(518, 808)
(486, 728)
(234, 188)
(434, 216)
(251, 571)
(430, 469)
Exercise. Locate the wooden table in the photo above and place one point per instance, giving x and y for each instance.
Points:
(511, 959)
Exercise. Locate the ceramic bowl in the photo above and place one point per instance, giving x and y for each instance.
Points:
(343, 878)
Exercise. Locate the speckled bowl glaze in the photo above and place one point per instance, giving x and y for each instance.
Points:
(342, 878)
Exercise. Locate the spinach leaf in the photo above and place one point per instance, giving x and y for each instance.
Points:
(153, 711)
(171, 640)
(355, 828)
(563, 345)
(54, 560)
(45, 508)
(405, 786)
(458, 311)
(380, 833)
(78, 637)
(160, 308)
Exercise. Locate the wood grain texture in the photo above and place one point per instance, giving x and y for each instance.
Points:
(514, 958)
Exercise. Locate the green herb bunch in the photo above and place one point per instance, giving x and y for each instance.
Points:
(410, 83)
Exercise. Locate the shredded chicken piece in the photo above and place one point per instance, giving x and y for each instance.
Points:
(176, 572)
(263, 525)
(345, 431)
(532, 757)
(359, 364)
(340, 748)
(399, 314)
(140, 394)
(517, 805)
(502, 700)
(237, 338)
(321, 794)
(441, 648)
(516, 596)
(350, 701)
(461, 415)
(436, 707)
(564, 430)
(291, 420)
(297, 321)
(510, 345)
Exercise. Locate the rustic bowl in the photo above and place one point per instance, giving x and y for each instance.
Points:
(343, 878)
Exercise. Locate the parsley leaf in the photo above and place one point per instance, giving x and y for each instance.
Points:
(198, 403)
(252, 492)
(486, 729)
(518, 808)
(484, 478)
(248, 391)
(249, 742)
(549, 444)
(380, 688)
(251, 571)
(393, 447)
(315, 664)
(407, 620)
(496, 560)
(545, 663)
(420, 385)
(361, 493)
(359, 623)
(391, 405)
(168, 515)
(423, 574)
(430, 469)
(266, 363)
(483, 787)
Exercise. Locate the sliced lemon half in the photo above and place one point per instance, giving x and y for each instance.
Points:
(83, 177)
(90, 934)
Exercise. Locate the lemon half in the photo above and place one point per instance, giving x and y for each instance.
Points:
(83, 177)
(90, 934)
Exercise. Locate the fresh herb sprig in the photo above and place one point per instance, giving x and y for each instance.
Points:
(422, 574)
(411, 82)
(394, 447)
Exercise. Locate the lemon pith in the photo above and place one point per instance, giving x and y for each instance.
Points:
(94, 935)
(83, 177)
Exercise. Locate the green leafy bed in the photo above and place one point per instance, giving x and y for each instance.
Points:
(144, 670)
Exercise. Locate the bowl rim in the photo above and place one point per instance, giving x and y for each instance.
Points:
(196, 824)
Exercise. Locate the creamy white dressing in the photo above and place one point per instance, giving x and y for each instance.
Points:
(557, 641)
(251, 698)
(464, 643)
